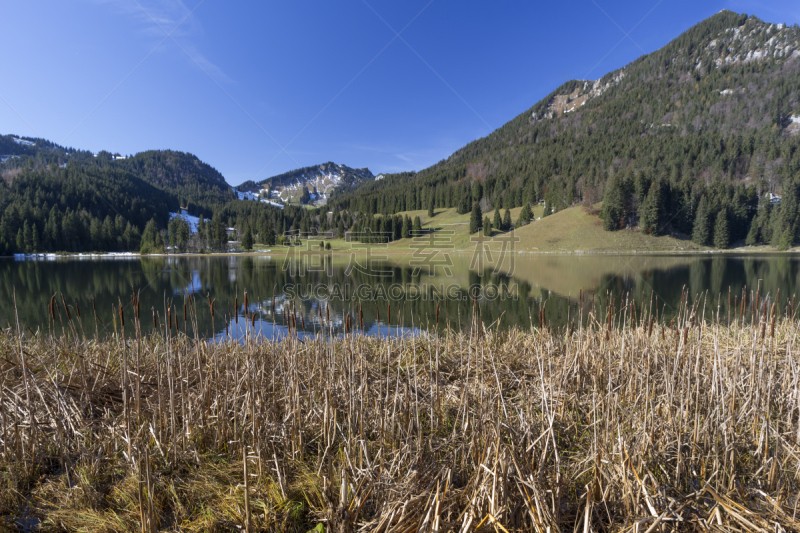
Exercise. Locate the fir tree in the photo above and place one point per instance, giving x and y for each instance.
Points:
(247, 239)
(507, 220)
(525, 216)
(786, 239)
(27, 237)
(34, 239)
(498, 220)
(475, 219)
(613, 213)
(651, 212)
(722, 233)
(487, 227)
(151, 240)
(752, 235)
(701, 233)
(430, 207)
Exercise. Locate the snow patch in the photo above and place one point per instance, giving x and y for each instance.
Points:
(23, 142)
(191, 220)
(250, 196)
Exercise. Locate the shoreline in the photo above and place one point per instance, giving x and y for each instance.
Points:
(279, 253)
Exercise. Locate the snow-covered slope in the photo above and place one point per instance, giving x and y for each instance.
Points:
(192, 220)
(320, 181)
(247, 195)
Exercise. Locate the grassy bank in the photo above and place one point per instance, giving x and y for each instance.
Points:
(626, 424)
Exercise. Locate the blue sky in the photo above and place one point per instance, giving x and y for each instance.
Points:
(259, 88)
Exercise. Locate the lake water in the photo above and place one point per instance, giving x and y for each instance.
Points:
(388, 296)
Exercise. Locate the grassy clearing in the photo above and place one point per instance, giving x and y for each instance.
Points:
(626, 424)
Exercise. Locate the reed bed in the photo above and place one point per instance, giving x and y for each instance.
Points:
(619, 422)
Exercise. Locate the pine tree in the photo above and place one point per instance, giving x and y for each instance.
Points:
(430, 207)
(507, 220)
(417, 228)
(498, 220)
(701, 233)
(475, 219)
(487, 227)
(722, 233)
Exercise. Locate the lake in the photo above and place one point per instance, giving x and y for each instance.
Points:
(385, 296)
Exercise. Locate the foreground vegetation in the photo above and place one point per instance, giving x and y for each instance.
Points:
(620, 422)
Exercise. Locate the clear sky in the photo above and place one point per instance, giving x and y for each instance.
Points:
(259, 88)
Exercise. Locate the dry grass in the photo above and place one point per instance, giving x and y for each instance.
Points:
(622, 424)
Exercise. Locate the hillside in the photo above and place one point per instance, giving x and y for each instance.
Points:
(180, 174)
(682, 141)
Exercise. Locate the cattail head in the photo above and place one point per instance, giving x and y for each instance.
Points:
(155, 324)
(121, 316)
(66, 309)
(52, 306)
(236, 309)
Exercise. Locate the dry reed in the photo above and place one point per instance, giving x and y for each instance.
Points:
(619, 423)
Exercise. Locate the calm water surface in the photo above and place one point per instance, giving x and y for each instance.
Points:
(390, 296)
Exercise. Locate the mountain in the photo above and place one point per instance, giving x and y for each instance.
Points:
(709, 121)
(55, 198)
(183, 177)
(312, 184)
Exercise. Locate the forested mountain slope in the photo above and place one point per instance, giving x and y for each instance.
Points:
(686, 140)
(55, 198)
